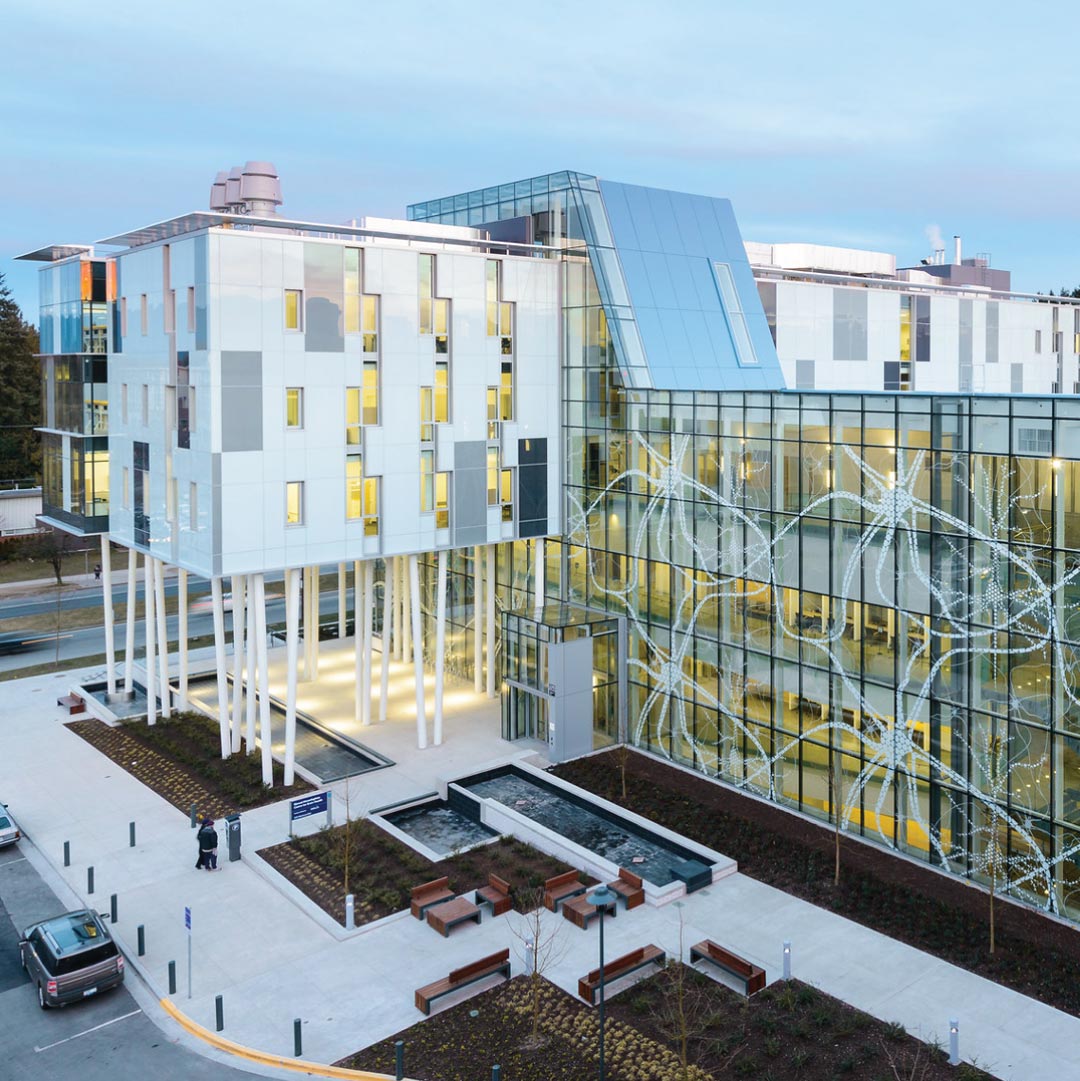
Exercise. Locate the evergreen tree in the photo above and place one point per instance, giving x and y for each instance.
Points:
(20, 393)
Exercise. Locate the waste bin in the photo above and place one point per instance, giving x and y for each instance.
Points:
(232, 830)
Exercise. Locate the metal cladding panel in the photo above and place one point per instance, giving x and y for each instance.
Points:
(324, 298)
(668, 244)
(532, 487)
(470, 492)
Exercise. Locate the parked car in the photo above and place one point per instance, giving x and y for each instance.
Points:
(9, 832)
(70, 957)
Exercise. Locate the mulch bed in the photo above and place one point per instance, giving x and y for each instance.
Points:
(788, 1032)
(180, 759)
(1035, 955)
(383, 870)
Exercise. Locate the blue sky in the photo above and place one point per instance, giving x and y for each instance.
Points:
(845, 123)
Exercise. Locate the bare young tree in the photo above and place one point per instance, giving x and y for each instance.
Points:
(347, 834)
(622, 758)
(836, 793)
(541, 945)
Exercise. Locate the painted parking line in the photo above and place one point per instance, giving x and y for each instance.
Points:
(104, 1024)
(8, 863)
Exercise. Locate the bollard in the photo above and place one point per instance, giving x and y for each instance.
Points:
(350, 912)
(131, 835)
(496, 1070)
(141, 932)
(112, 908)
(297, 1042)
(67, 853)
(194, 814)
(172, 977)
(954, 1042)
(787, 959)
(219, 1013)
(399, 1059)
(89, 879)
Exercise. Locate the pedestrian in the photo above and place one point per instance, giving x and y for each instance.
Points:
(208, 842)
(97, 572)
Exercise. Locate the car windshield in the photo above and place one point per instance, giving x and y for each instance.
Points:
(5, 822)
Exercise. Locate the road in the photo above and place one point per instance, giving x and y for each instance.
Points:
(104, 1039)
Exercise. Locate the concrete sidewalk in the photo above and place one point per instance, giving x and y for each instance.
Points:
(274, 958)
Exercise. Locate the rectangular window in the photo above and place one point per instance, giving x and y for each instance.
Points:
(170, 312)
(736, 319)
(442, 326)
(491, 286)
(125, 488)
(506, 494)
(493, 477)
(294, 309)
(506, 391)
(145, 409)
(905, 328)
(193, 507)
(352, 416)
(144, 315)
(294, 502)
(370, 306)
(1038, 341)
(191, 309)
(123, 403)
(294, 407)
(123, 317)
(352, 290)
(427, 291)
(506, 328)
(371, 392)
(442, 500)
(427, 480)
(427, 429)
(442, 392)
(354, 487)
(371, 506)
(191, 408)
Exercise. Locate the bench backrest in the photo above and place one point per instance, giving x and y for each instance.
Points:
(430, 887)
(468, 971)
(561, 880)
(613, 968)
(630, 878)
(731, 960)
(499, 884)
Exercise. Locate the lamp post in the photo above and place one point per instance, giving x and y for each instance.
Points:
(602, 897)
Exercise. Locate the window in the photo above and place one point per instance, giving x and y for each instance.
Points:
(1038, 341)
(123, 403)
(145, 410)
(191, 408)
(905, 327)
(427, 429)
(493, 476)
(193, 507)
(371, 324)
(144, 314)
(506, 494)
(442, 326)
(729, 299)
(125, 488)
(442, 392)
(191, 309)
(170, 311)
(294, 307)
(352, 290)
(294, 502)
(506, 391)
(442, 500)
(427, 291)
(352, 416)
(371, 392)
(123, 317)
(361, 495)
(294, 407)
(500, 313)
(427, 480)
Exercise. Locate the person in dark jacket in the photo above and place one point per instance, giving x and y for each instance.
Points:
(208, 842)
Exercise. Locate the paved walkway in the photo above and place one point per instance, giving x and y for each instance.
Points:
(274, 957)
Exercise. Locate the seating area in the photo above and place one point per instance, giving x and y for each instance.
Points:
(496, 893)
(581, 911)
(629, 887)
(562, 888)
(72, 703)
(450, 913)
(750, 974)
(621, 966)
(497, 964)
(429, 894)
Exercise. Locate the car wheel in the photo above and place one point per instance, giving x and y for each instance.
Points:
(41, 997)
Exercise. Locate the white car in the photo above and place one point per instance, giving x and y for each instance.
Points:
(9, 832)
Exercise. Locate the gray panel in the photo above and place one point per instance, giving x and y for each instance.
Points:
(804, 375)
(921, 314)
(241, 368)
(849, 324)
(967, 320)
(992, 332)
(1016, 375)
(324, 298)
(241, 418)
(470, 492)
(201, 275)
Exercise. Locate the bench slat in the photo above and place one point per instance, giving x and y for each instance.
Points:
(621, 966)
(725, 959)
(492, 965)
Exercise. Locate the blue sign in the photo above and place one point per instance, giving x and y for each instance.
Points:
(187, 917)
(309, 805)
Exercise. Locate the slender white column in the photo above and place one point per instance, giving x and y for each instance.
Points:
(316, 616)
(181, 635)
(368, 612)
(265, 737)
(358, 601)
(418, 651)
(342, 593)
(491, 621)
(387, 635)
(239, 610)
(252, 665)
(219, 657)
(308, 630)
(107, 608)
(162, 637)
(539, 572)
(292, 629)
(478, 625)
(440, 642)
(149, 620)
(403, 606)
(410, 602)
(129, 624)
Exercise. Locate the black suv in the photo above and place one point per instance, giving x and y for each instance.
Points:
(70, 957)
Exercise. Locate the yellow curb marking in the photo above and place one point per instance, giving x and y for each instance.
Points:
(262, 1057)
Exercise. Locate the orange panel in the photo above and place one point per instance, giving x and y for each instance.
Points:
(110, 280)
(87, 280)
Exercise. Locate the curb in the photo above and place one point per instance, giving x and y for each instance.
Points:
(263, 1058)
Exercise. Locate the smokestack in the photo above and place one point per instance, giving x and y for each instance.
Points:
(217, 192)
(260, 188)
(232, 189)
(956, 241)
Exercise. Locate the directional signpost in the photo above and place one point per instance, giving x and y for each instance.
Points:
(315, 804)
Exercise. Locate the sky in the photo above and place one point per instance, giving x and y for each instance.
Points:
(849, 123)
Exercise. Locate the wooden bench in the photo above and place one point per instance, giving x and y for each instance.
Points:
(72, 703)
(560, 888)
(496, 893)
(451, 913)
(430, 893)
(629, 887)
(496, 964)
(587, 986)
(581, 911)
(708, 950)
